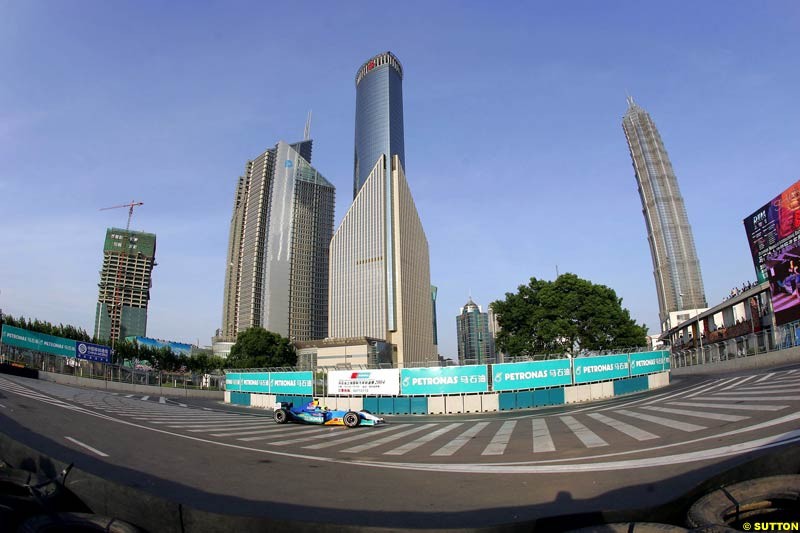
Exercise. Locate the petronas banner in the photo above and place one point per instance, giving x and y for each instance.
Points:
(30, 340)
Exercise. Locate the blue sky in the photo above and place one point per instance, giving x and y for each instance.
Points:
(514, 149)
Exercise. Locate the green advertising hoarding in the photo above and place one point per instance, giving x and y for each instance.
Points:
(649, 362)
(443, 380)
(301, 383)
(30, 340)
(600, 368)
(531, 375)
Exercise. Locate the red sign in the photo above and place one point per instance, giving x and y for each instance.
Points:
(370, 65)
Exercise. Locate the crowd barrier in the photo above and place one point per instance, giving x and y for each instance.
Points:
(452, 390)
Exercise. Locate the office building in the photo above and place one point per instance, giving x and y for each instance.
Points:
(379, 116)
(125, 282)
(380, 265)
(475, 340)
(277, 261)
(679, 284)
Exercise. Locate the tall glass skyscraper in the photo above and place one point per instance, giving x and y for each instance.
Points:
(281, 228)
(379, 115)
(679, 283)
(380, 284)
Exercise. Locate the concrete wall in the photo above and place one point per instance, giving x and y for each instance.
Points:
(764, 360)
(116, 386)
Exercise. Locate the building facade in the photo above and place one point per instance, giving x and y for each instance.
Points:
(277, 258)
(475, 340)
(679, 283)
(125, 282)
(383, 222)
(379, 116)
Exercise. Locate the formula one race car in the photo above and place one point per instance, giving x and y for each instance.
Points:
(312, 413)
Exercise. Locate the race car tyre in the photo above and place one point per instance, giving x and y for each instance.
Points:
(774, 497)
(281, 416)
(351, 419)
(76, 522)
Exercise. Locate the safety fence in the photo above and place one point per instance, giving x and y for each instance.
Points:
(72, 366)
(753, 344)
(477, 388)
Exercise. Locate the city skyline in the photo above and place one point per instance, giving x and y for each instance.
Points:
(153, 108)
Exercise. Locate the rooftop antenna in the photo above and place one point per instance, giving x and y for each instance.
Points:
(629, 98)
(307, 131)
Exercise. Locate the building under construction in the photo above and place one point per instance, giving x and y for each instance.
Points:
(125, 281)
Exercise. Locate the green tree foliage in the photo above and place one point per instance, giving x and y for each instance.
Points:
(67, 332)
(259, 348)
(567, 315)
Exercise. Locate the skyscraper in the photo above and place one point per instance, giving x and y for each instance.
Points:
(125, 282)
(475, 340)
(277, 269)
(379, 116)
(679, 284)
(380, 266)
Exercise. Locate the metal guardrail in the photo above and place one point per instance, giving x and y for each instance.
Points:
(786, 336)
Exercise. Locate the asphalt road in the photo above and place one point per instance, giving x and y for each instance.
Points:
(444, 471)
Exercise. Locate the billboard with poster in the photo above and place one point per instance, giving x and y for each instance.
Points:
(773, 227)
(773, 233)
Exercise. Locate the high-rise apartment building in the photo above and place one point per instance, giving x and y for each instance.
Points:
(125, 282)
(277, 269)
(380, 266)
(679, 283)
(475, 340)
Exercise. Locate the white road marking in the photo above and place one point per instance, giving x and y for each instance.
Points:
(414, 444)
(3, 406)
(631, 431)
(698, 414)
(457, 443)
(79, 443)
(240, 433)
(277, 430)
(227, 428)
(771, 386)
(144, 398)
(738, 383)
(739, 394)
(183, 405)
(386, 440)
(674, 424)
(161, 399)
(331, 442)
(714, 386)
(129, 395)
(542, 441)
(497, 446)
(742, 407)
(220, 425)
(586, 436)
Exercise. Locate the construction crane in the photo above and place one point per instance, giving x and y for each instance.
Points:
(115, 328)
(130, 211)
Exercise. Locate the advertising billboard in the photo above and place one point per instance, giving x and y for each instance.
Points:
(31, 340)
(444, 380)
(92, 352)
(178, 348)
(300, 383)
(649, 362)
(531, 375)
(773, 227)
(364, 382)
(773, 233)
(600, 368)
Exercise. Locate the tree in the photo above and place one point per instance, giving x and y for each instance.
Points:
(567, 315)
(259, 348)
